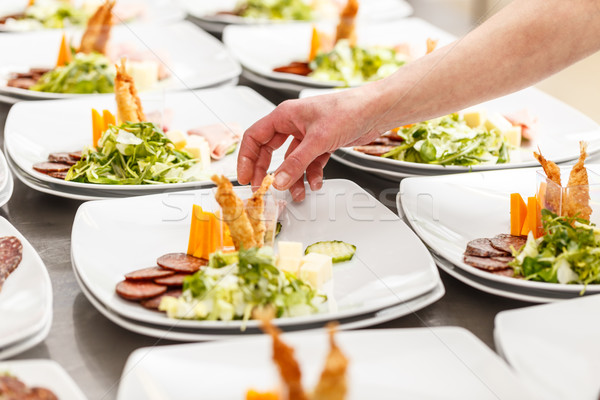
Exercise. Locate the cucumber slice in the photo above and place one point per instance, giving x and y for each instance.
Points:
(278, 228)
(338, 251)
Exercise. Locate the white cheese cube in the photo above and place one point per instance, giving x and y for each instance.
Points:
(144, 73)
(474, 119)
(178, 138)
(513, 135)
(290, 250)
(316, 269)
(289, 264)
(497, 121)
(198, 147)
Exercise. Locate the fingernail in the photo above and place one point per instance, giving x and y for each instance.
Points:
(298, 194)
(282, 179)
(314, 186)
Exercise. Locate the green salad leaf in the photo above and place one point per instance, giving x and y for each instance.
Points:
(569, 252)
(298, 10)
(450, 141)
(57, 14)
(87, 73)
(135, 154)
(355, 65)
(234, 284)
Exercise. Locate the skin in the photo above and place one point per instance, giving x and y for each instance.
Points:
(524, 43)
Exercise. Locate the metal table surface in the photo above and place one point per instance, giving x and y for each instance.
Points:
(93, 350)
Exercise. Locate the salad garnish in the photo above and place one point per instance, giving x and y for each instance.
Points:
(298, 10)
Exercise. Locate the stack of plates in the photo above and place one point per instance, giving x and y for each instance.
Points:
(205, 13)
(391, 275)
(6, 181)
(25, 300)
(383, 364)
(193, 58)
(65, 125)
(449, 211)
(264, 47)
(561, 127)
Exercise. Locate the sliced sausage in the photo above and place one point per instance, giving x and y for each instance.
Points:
(47, 167)
(485, 263)
(21, 83)
(504, 272)
(154, 302)
(148, 274)
(296, 68)
(374, 150)
(483, 248)
(181, 262)
(141, 290)
(11, 253)
(37, 393)
(173, 280)
(58, 175)
(75, 155)
(64, 158)
(504, 242)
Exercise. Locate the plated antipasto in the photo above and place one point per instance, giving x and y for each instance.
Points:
(11, 254)
(12, 388)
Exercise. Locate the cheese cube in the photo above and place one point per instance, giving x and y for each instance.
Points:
(144, 73)
(316, 269)
(178, 138)
(289, 264)
(513, 135)
(198, 147)
(290, 249)
(497, 121)
(474, 119)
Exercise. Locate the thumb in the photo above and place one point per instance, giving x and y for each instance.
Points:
(293, 167)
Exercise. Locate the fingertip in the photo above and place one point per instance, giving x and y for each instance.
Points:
(298, 194)
(244, 169)
(282, 180)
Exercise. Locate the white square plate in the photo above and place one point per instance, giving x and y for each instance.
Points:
(554, 347)
(44, 373)
(391, 265)
(264, 47)
(424, 363)
(449, 211)
(26, 296)
(194, 58)
(65, 125)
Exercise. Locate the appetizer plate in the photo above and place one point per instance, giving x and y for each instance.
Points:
(6, 181)
(449, 211)
(157, 12)
(553, 347)
(561, 127)
(193, 58)
(28, 342)
(139, 230)
(264, 47)
(384, 364)
(206, 12)
(44, 373)
(25, 297)
(28, 141)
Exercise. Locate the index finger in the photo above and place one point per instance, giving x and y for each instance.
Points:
(253, 139)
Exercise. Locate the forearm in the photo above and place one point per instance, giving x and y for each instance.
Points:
(524, 43)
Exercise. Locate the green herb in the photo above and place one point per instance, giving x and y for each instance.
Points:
(298, 10)
(569, 252)
(450, 141)
(57, 14)
(135, 154)
(87, 73)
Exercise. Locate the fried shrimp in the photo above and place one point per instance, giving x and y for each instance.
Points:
(346, 28)
(255, 207)
(129, 106)
(553, 192)
(333, 384)
(98, 28)
(234, 213)
(577, 197)
(283, 356)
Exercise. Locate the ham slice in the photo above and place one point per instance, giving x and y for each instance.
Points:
(220, 137)
(529, 123)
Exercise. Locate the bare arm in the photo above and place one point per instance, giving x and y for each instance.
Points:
(527, 41)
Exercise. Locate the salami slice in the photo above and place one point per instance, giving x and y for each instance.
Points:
(130, 290)
(374, 150)
(148, 274)
(504, 242)
(173, 280)
(181, 262)
(75, 155)
(58, 175)
(47, 167)
(483, 248)
(488, 264)
(38, 393)
(11, 253)
(64, 158)
(154, 302)
(505, 272)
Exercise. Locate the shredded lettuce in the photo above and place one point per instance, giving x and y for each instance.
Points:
(234, 284)
(135, 154)
(57, 14)
(450, 141)
(298, 10)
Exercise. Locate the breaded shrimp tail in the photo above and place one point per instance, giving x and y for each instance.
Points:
(129, 106)
(346, 28)
(553, 192)
(283, 355)
(255, 207)
(577, 201)
(333, 384)
(98, 28)
(234, 214)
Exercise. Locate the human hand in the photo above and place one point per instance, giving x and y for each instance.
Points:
(319, 125)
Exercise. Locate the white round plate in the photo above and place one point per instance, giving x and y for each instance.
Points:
(27, 343)
(139, 230)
